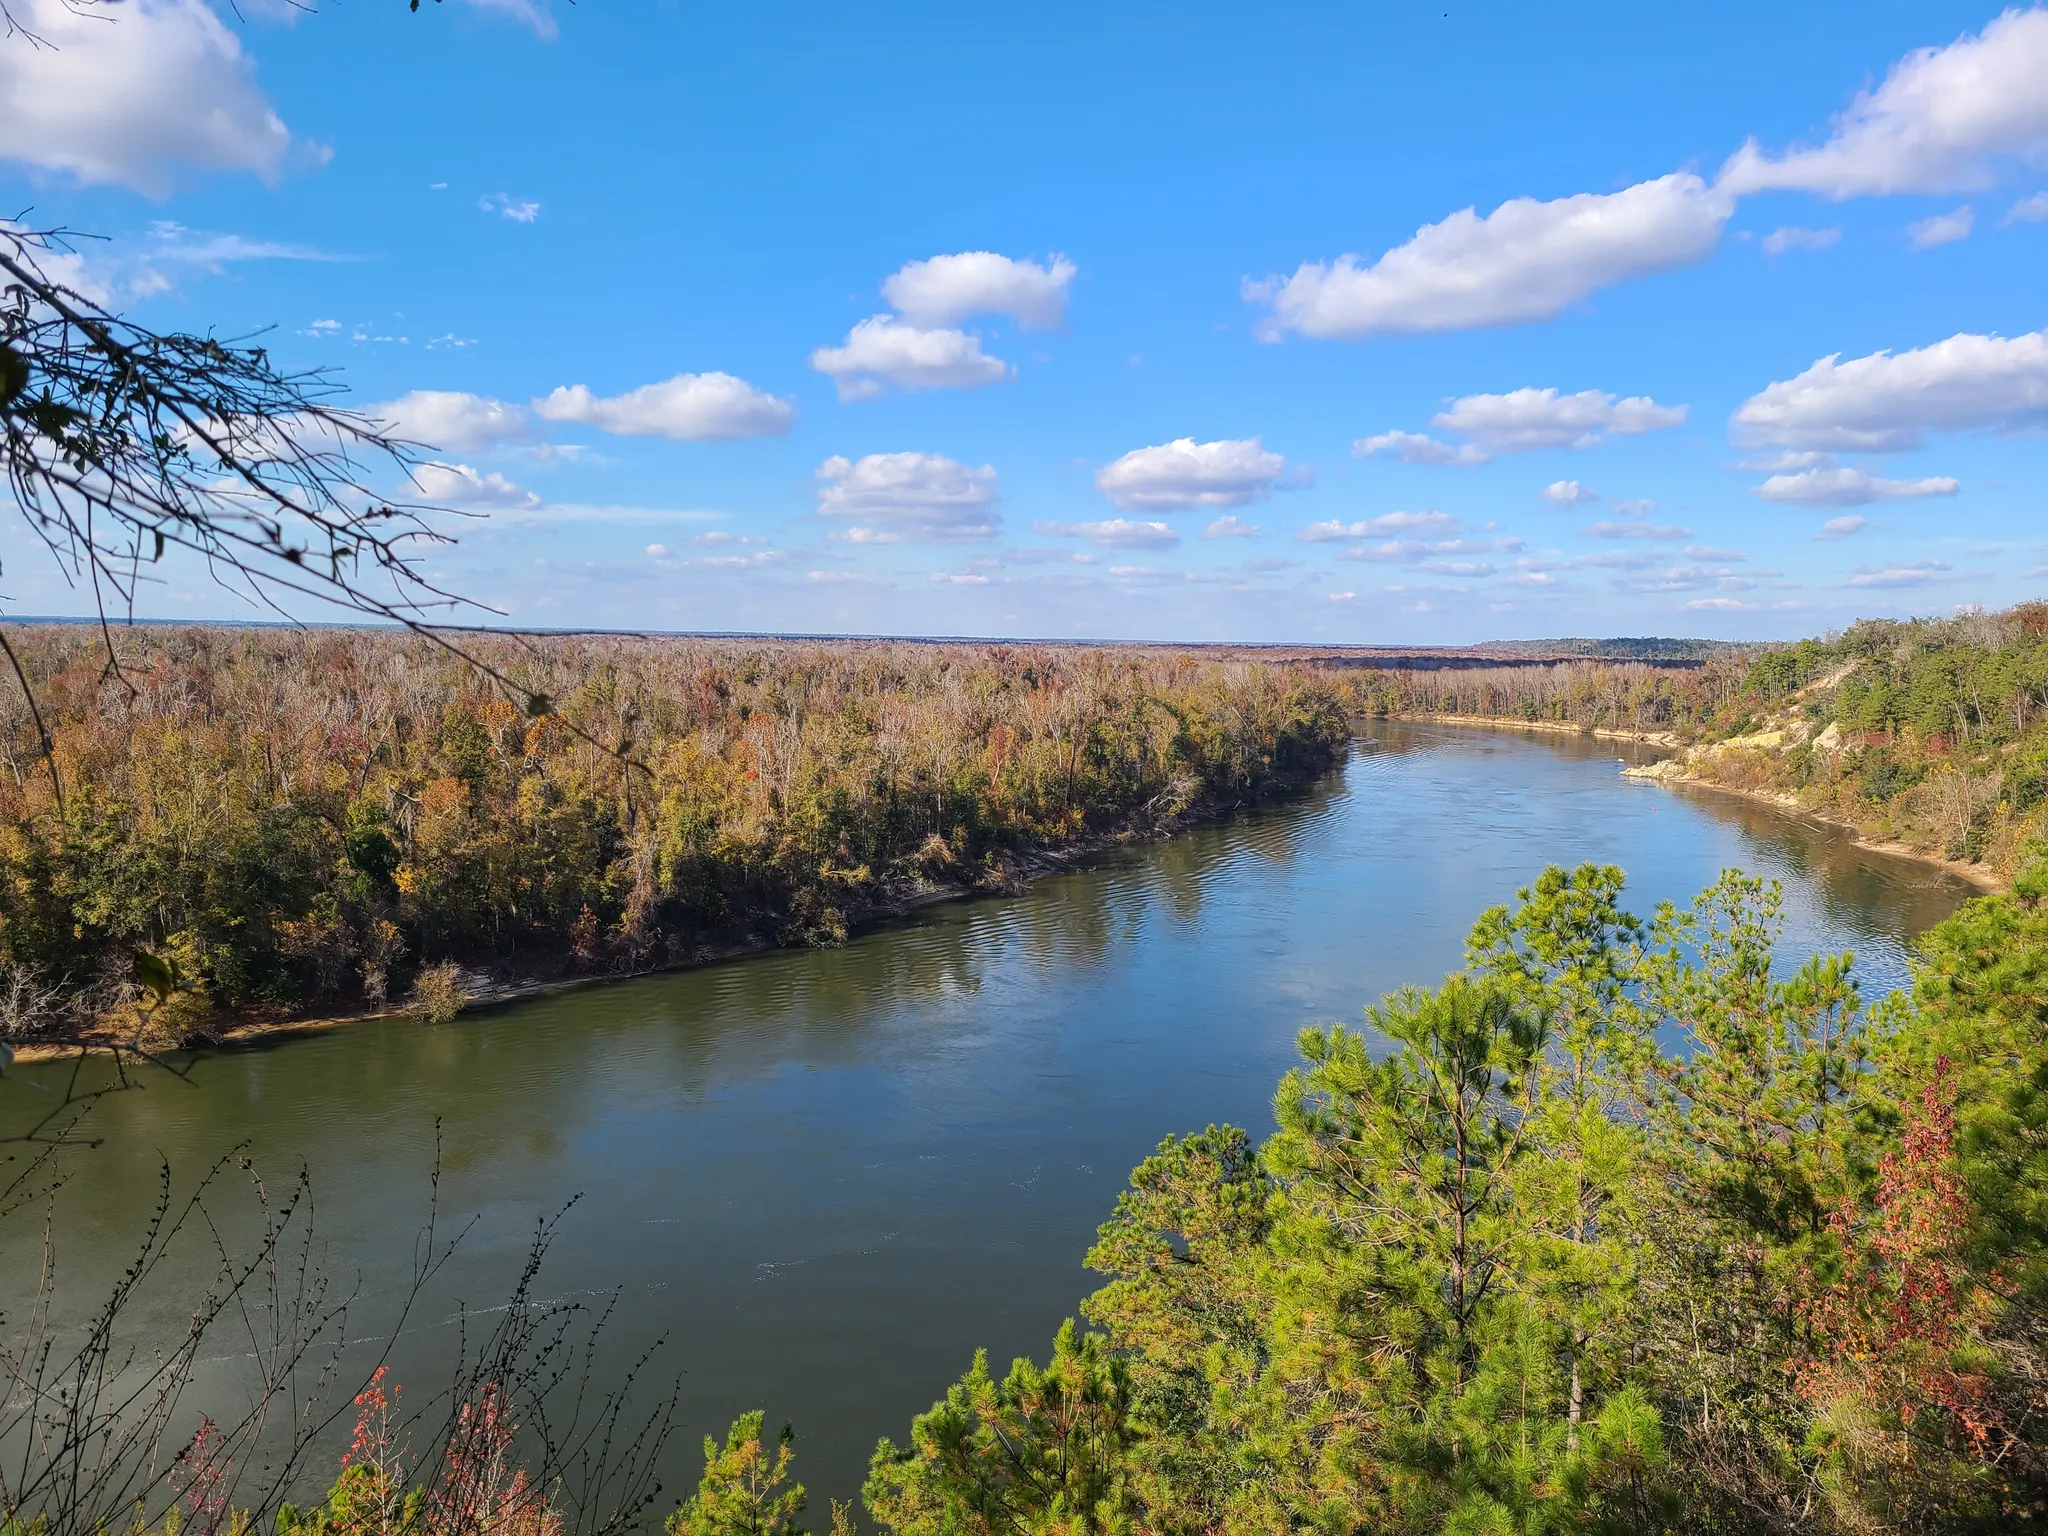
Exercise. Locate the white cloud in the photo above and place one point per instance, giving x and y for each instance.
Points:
(1825, 487)
(520, 210)
(1230, 527)
(1841, 528)
(1722, 605)
(451, 420)
(884, 350)
(1327, 532)
(1919, 573)
(1393, 524)
(949, 288)
(691, 408)
(1182, 474)
(1417, 556)
(131, 99)
(925, 497)
(1657, 532)
(1690, 578)
(960, 578)
(1418, 448)
(1938, 123)
(1641, 508)
(1527, 260)
(1941, 229)
(2029, 210)
(458, 485)
(1528, 420)
(1885, 402)
(1790, 237)
(1567, 493)
(1115, 533)
(1045, 554)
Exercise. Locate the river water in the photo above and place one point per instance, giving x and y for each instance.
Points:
(827, 1176)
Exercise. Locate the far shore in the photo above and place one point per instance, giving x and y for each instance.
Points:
(491, 990)
(1983, 877)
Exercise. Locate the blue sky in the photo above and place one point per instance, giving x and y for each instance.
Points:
(1304, 323)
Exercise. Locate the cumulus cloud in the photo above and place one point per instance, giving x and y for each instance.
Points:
(133, 100)
(1567, 493)
(898, 497)
(1114, 533)
(1184, 474)
(1524, 420)
(1790, 237)
(1391, 525)
(1886, 401)
(1690, 578)
(1527, 260)
(1656, 532)
(2029, 210)
(1230, 528)
(884, 350)
(1841, 528)
(458, 485)
(1918, 573)
(946, 289)
(1941, 229)
(452, 420)
(1836, 487)
(1417, 555)
(691, 408)
(1939, 122)
(1418, 448)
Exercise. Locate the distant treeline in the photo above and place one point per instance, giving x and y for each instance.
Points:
(1593, 695)
(290, 819)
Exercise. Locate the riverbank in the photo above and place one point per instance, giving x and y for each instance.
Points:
(1675, 770)
(1543, 727)
(487, 988)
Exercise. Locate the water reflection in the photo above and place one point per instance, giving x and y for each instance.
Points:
(830, 1174)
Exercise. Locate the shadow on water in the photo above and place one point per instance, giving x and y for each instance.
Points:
(829, 1175)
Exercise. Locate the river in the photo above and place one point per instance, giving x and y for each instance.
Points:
(828, 1175)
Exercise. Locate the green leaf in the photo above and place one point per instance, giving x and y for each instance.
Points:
(155, 974)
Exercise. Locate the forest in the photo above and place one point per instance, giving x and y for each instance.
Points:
(1929, 732)
(277, 820)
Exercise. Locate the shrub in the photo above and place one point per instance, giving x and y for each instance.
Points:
(438, 993)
